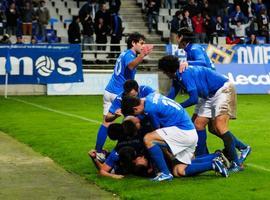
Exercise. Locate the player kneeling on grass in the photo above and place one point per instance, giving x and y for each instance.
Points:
(174, 129)
(129, 156)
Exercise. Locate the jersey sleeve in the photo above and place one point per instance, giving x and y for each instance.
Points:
(191, 88)
(129, 57)
(116, 104)
(112, 159)
(145, 90)
(175, 88)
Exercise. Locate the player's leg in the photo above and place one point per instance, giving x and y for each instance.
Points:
(200, 124)
(151, 140)
(102, 132)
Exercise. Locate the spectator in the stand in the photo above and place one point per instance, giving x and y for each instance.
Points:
(114, 5)
(199, 30)
(240, 29)
(248, 8)
(101, 31)
(5, 39)
(19, 40)
(88, 32)
(209, 28)
(28, 16)
(191, 7)
(252, 39)
(116, 34)
(237, 15)
(74, 31)
(152, 13)
(12, 15)
(259, 6)
(231, 39)
(221, 7)
(175, 26)
(220, 27)
(2, 19)
(43, 17)
(90, 8)
(104, 14)
(263, 25)
(186, 22)
(168, 4)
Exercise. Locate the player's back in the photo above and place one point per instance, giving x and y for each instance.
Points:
(121, 72)
(205, 80)
(165, 112)
(195, 52)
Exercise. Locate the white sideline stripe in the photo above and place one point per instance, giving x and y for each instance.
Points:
(56, 111)
(258, 167)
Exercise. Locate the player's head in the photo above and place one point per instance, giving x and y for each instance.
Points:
(184, 36)
(168, 65)
(132, 106)
(126, 156)
(115, 131)
(136, 42)
(131, 88)
(135, 120)
(129, 128)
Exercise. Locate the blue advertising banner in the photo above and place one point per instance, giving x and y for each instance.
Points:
(247, 66)
(41, 64)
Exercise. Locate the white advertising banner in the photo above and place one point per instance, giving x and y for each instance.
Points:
(95, 83)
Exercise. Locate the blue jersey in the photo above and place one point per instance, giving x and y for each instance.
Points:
(121, 72)
(143, 92)
(164, 112)
(199, 82)
(196, 55)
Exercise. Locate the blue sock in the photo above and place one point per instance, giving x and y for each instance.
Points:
(229, 145)
(238, 144)
(204, 158)
(196, 168)
(101, 138)
(201, 148)
(157, 156)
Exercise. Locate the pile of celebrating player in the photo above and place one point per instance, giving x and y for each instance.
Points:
(157, 138)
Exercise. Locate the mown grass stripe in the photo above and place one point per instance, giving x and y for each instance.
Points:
(56, 111)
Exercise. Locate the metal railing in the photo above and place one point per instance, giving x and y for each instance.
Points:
(96, 59)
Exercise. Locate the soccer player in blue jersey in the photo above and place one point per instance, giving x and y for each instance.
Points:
(196, 55)
(125, 68)
(173, 128)
(218, 102)
(131, 88)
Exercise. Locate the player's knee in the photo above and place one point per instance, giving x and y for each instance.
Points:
(148, 140)
(199, 125)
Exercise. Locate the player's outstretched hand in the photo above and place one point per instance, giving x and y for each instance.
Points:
(147, 49)
(118, 112)
(117, 176)
(183, 66)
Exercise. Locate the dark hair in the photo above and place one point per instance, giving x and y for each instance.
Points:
(128, 103)
(130, 85)
(115, 131)
(129, 128)
(168, 64)
(134, 37)
(188, 36)
(126, 155)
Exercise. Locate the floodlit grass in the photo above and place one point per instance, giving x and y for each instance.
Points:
(67, 139)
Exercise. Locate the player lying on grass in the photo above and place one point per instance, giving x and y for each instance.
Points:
(125, 68)
(129, 155)
(173, 128)
(218, 102)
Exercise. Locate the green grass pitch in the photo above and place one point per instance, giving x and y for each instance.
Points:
(66, 137)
